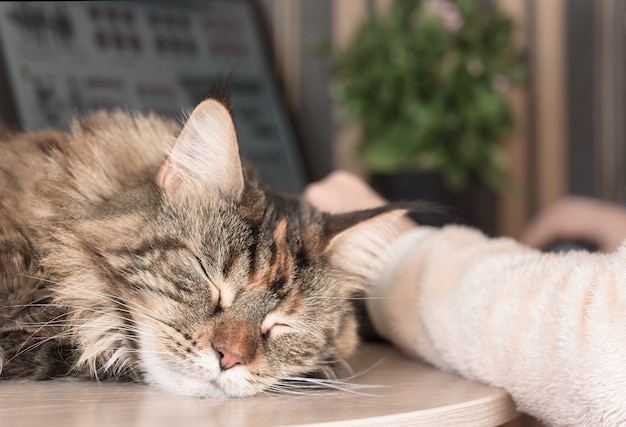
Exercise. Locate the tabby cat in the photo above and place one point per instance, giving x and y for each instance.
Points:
(132, 249)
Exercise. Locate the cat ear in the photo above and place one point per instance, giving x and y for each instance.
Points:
(357, 241)
(205, 156)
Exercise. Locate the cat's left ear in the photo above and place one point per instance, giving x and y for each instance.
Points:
(205, 156)
(357, 240)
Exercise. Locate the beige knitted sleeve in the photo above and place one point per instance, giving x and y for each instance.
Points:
(548, 328)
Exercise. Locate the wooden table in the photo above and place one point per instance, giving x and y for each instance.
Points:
(399, 392)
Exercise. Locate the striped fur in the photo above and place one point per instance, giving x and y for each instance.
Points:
(125, 255)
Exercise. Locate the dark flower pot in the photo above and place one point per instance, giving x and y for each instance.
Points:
(473, 206)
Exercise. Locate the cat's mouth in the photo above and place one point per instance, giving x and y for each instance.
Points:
(201, 377)
(182, 384)
(192, 384)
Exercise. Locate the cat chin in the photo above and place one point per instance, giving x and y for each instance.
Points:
(182, 385)
(191, 386)
(201, 377)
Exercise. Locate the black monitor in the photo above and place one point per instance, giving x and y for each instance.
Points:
(62, 59)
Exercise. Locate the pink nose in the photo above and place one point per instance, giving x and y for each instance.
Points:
(228, 359)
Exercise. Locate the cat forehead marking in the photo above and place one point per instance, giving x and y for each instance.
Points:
(280, 267)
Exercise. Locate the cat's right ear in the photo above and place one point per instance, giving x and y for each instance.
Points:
(205, 157)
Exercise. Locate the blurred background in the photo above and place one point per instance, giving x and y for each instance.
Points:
(499, 106)
(568, 136)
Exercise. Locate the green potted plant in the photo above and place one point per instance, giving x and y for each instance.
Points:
(428, 80)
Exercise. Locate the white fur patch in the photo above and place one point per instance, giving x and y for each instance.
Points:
(158, 373)
(193, 375)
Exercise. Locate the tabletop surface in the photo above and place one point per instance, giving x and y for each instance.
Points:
(386, 388)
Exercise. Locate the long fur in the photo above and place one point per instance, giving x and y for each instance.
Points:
(132, 249)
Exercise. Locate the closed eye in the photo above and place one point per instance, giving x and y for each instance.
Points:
(276, 324)
(215, 291)
(202, 267)
(280, 329)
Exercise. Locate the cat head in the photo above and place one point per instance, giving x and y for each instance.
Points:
(212, 286)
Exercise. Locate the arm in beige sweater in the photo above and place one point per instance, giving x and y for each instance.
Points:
(548, 328)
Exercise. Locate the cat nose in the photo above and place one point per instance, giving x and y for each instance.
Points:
(228, 359)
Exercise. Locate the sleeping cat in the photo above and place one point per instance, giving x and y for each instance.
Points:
(119, 260)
